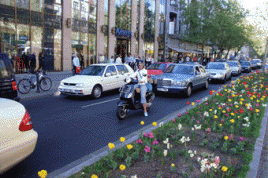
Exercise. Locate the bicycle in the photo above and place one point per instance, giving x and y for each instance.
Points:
(28, 83)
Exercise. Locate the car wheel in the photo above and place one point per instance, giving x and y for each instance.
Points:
(225, 79)
(96, 92)
(189, 91)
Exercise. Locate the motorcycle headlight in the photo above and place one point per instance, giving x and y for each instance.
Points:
(129, 95)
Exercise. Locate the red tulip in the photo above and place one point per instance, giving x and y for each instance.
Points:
(188, 103)
(235, 111)
(210, 92)
(229, 110)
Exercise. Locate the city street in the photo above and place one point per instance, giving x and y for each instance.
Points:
(70, 128)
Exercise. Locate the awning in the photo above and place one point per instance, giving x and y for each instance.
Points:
(179, 50)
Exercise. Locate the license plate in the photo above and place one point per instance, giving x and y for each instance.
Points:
(162, 89)
(67, 90)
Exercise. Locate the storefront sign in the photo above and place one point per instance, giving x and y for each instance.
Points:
(120, 32)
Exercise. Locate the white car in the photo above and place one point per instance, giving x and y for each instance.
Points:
(95, 79)
(259, 63)
(17, 137)
(219, 71)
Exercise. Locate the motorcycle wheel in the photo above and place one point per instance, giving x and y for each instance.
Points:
(121, 112)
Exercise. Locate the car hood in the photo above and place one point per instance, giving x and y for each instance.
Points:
(177, 77)
(154, 71)
(82, 79)
(215, 71)
(234, 68)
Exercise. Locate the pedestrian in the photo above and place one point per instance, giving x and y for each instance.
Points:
(149, 61)
(112, 60)
(41, 60)
(187, 59)
(101, 59)
(194, 59)
(24, 59)
(118, 60)
(32, 63)
(81, 57)
(127, 60)
(76, 64)
(152, 60)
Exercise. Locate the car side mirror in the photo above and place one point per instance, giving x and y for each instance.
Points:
(108, 75)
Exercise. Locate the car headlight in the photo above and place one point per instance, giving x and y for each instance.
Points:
(61, 83)
(180, 83)
(80, 85)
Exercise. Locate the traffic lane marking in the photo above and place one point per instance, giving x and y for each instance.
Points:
(100, 102)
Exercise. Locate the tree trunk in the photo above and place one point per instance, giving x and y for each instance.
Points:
(227, 54)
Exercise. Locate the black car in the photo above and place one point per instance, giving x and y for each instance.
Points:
(8, 85)
(246, 66)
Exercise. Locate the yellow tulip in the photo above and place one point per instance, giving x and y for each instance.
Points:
(232, 114)
(247, 105)
(210, 109)
(224, 168)
(142, 122)
(251, 98)
(262, 99)
(257, 110)
(238, 117)
(193, 103)
(224, 111)
(215, 116)
(42, 173)
(122, 139)
(122, 167)
(236, 106)
(229, 100)
(232, 120)
(129, 146)
(219, 107)
(111, 145)
(241, 102)
(242, 99)
(225, 90)
(94, 176)
(220, 124)
(226, 137)
(172, 165)
(154, 124)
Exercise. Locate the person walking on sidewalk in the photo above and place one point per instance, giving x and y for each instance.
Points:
(41, 59)
(118, 60)
(32, 63)
(75, 64)
(81, 57)
(112, 60)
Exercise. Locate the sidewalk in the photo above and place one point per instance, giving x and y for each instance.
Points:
(56, 77)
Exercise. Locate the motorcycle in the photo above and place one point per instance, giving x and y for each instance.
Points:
(130, 99)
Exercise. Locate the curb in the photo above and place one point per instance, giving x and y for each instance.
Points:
(90, 159)
(254, 164)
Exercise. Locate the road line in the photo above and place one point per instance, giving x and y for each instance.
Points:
(99, 103)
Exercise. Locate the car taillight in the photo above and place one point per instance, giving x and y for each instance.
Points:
(14, 85)
(26, 123)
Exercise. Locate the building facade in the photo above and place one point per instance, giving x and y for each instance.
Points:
(174, 44)
(92, 28)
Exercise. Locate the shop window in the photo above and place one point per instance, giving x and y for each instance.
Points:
(23, 38)
(37, 5)
(23, 4)
(8, 2)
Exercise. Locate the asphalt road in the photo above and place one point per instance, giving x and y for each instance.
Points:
(70, 128)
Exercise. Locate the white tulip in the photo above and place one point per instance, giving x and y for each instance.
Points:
(161, 124)
(187, 139)
(192, 155)
(190, 151)
(194, 152)
(165, 152)
(192, 129)
(198, 159)
(179, 126)
(168, 146)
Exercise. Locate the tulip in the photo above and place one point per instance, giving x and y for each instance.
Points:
(155, 142)
(173, 120)
(241, 139)
(217, 160)
(122, 167)
(145, 134)
(188, 103)
(179, 115)
(208, 130)
(198, 121)
(129, 146)
(147, 149)
(154, 124)
(111, 145)
(142, 122)
(151, 135)
(122, 139)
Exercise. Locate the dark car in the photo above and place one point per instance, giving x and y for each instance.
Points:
(254, 64)
(8, 85)
(246, 66)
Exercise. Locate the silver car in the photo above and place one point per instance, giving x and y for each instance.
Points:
(236, 67)
(219, 71)
(184, 78)
(259, 63)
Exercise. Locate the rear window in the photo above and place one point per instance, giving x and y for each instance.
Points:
(5, 72)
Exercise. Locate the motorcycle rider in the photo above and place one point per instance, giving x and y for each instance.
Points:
(141, 74)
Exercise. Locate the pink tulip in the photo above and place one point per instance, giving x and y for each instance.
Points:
(201, 117)
(257, 104)
(241, 139)
(173, 120)
(155, 142)
(208, 130)
(198, 121)
(151, 135)
(206, 103)
(198, 101)
(217, 160)
(145, 134)
(179, 115)
(147, 149)
(139, 141)
(226, 114)
(186, 112)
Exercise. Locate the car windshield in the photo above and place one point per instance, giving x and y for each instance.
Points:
(245, 63)
(180, 69)
(233, 64)
(93, 70)
(216, 66)
(157, 66)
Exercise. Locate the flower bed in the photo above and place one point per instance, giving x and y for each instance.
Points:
(213, 139)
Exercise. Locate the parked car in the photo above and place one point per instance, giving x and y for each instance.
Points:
(8, 85)
(259, 63)
(18, 138)
(236, 67)
(219, 71)
(254, 64)
(95, 79)
(246, 66)
(182, 78)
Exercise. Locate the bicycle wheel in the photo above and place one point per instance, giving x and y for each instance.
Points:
(45, 84)
(24, 86)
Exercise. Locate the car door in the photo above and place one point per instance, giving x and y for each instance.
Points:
(203, 75)
(123, 73)
(197, 78)
(228, 70)
(109, 78)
